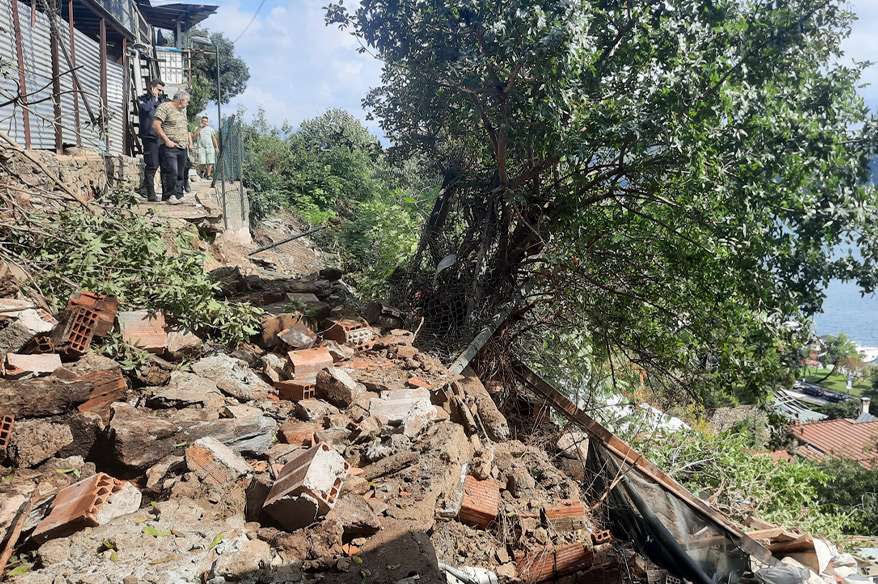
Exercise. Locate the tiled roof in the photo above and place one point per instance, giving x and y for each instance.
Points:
(844, 438)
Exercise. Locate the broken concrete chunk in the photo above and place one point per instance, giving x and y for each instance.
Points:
(337, 387)
(339, 352)
(214, 462)
(156, 474)
(311, 410)
(299, 433)
(396, 405)
(144, 329)
(35, 441)
(417, 418)
(232, 378)
(298, 336)
(307, 487)
(23, 326)
(186, 390)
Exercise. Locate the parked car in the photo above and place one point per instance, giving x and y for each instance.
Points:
(834, 397)
(813, 390)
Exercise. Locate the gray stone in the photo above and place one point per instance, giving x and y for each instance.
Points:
(186, 390)
(35, 441)
(396, 405)
(54, 551)
(157, 472)
(232, 378)
(214, 462)
(139, 440)
(310, 410)
(273, 366)
(298, 336)
(337, 387)
(242, 559)
(183, 344)
(333, 436)
(520, 482)
(339, 352)
(124, 501)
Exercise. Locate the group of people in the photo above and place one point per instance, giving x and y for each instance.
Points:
(167, 141)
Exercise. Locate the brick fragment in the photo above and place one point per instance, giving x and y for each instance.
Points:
(418, 382)
(6, 423)
(44, 314)
(307, 487)
(144, 329)
(109, 387)
(75, 330)
(306, 364)
(39, 345)
(549, 564)
(481, 503)
(295, 390)
(405, 351)
(299, 433)
(106, 305)
(669, 579)
(80, 505)
(273, 324)
(18, 365)
(298, 336)
(599, 537)
(569, 515)
(349, 331)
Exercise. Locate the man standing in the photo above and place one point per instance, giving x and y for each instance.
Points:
(146, 107)
(206, 147)
(172, 129)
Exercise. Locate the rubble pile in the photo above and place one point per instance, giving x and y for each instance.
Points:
(330, 449)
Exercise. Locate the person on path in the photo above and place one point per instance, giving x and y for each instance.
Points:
(206, 147)
(172, 129)
(146, 108)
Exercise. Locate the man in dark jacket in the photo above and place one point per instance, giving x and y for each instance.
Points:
(146, 106)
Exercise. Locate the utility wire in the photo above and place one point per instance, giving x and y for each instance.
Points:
(255, 14)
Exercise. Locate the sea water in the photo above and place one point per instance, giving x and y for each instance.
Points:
(845, 311)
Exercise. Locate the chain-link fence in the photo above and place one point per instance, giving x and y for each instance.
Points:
(228, 177)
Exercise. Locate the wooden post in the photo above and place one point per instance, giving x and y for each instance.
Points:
(21, 81)
(56, 93)
(73, 65)
(126, 81)
(105, 126)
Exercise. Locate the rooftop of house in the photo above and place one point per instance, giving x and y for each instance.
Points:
(842, 438)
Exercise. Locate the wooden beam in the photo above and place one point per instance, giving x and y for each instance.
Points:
(75, 81)
(631, 457)
(56, 92)
(16, 24)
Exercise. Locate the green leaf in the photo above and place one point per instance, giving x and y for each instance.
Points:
(114, 557)
(216, 541)
(17, 571)
(150, 530)
(357, 559)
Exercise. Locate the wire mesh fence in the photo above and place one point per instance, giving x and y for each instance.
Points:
(229, 175)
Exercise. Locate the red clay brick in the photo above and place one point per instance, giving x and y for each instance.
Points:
(599, 537)
(109, 387)
(568, 515)
(295, 477)
(295, 390)
(39, 345)
(6, 423)
(306, 364)
(105, 305)
(298, 433)
(75, 331)
(481, 503)
(144, 329)
(418, 382)
(351, 331)
(549, 564)
(23, 364)
(76, 507)
(46, 316)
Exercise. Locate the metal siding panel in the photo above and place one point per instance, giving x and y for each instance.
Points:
(9, 123)
(88, 59)
(36, 45)
(115, 77)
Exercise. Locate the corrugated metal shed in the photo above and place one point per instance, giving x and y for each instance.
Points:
(36, 44)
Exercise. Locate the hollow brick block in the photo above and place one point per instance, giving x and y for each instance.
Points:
(599, 537)
(349, 331)
(109, 387)
(306, 364)
(39, 345)
(549, 564)
(481, 503)
(295, 390)
(568, 515)
(6, 423)
(75, 330)
(76, 507)
(144, 329)
(105, 305)
(307, 486)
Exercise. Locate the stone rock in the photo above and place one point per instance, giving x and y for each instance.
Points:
(90, 363)
(183, 344)
(310, 410)
(396, 405)
(337, 387)
(25, 325)
(156, 474)
(520, 482)
(494, 422)
(418, 417)
(241, 559)
(35, 441)
(231, 378)
(333, 436)
(339, 352)
(274, 367)
(54, 551)
(298, 336)
(214, 462)
(187, 390)
(139, 440)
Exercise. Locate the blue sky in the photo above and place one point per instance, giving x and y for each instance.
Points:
(299, 67)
